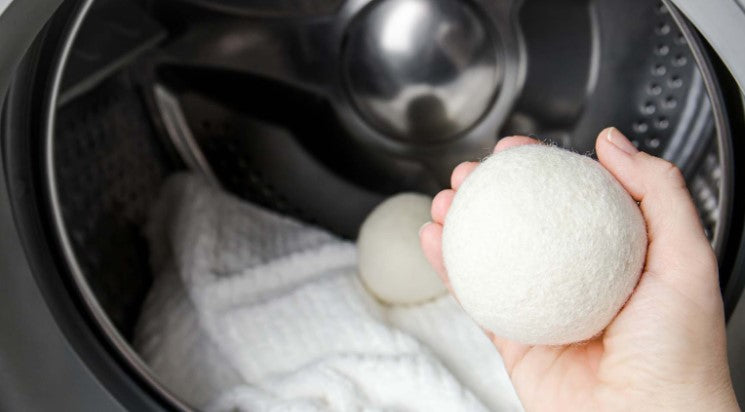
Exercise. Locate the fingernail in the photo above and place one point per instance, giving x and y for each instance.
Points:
(616, 138)
(422, 228)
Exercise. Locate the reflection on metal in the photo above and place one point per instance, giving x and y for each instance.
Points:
(180, 134)
(722, 23)
(421, 70)
(705, 190)
(724, 139)
(3, 5)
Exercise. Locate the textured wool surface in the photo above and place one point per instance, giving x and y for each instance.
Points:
(252, 311)
(543, 246)
(391, 262)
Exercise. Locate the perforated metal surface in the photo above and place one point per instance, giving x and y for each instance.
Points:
(661, 96)
(110, 166)
(704, 187)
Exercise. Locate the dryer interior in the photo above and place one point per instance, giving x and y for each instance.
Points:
(262, 102)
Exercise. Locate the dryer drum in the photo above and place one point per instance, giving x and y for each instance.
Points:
(272, 99)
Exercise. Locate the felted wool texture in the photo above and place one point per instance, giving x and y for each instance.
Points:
(391, 262)
(543, 246)
(254, 311)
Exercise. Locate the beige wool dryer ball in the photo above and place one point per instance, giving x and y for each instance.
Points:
(543, 246)
(391, 263)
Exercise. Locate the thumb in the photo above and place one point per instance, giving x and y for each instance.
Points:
(678, 248)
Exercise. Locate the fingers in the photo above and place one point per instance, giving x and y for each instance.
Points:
(513, 141)
(656, 183)
(461, 172)
(441, 204)
(464, 169)
(675, 234)
(430, 237)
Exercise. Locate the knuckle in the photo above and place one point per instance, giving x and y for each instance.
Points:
(675, 176)
(670, 172)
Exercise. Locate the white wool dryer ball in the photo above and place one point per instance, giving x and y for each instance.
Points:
(391, 262)
(543, 246)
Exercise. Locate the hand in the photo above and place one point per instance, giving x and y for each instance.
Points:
(666, 348)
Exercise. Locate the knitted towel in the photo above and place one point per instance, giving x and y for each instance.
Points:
(251, 311)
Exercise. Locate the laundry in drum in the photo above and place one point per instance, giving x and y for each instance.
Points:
(252, 310)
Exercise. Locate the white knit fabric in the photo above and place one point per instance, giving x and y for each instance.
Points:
(543, 246)
(462, 347)
(257, 312)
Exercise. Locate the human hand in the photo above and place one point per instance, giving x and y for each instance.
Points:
(666, 348)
